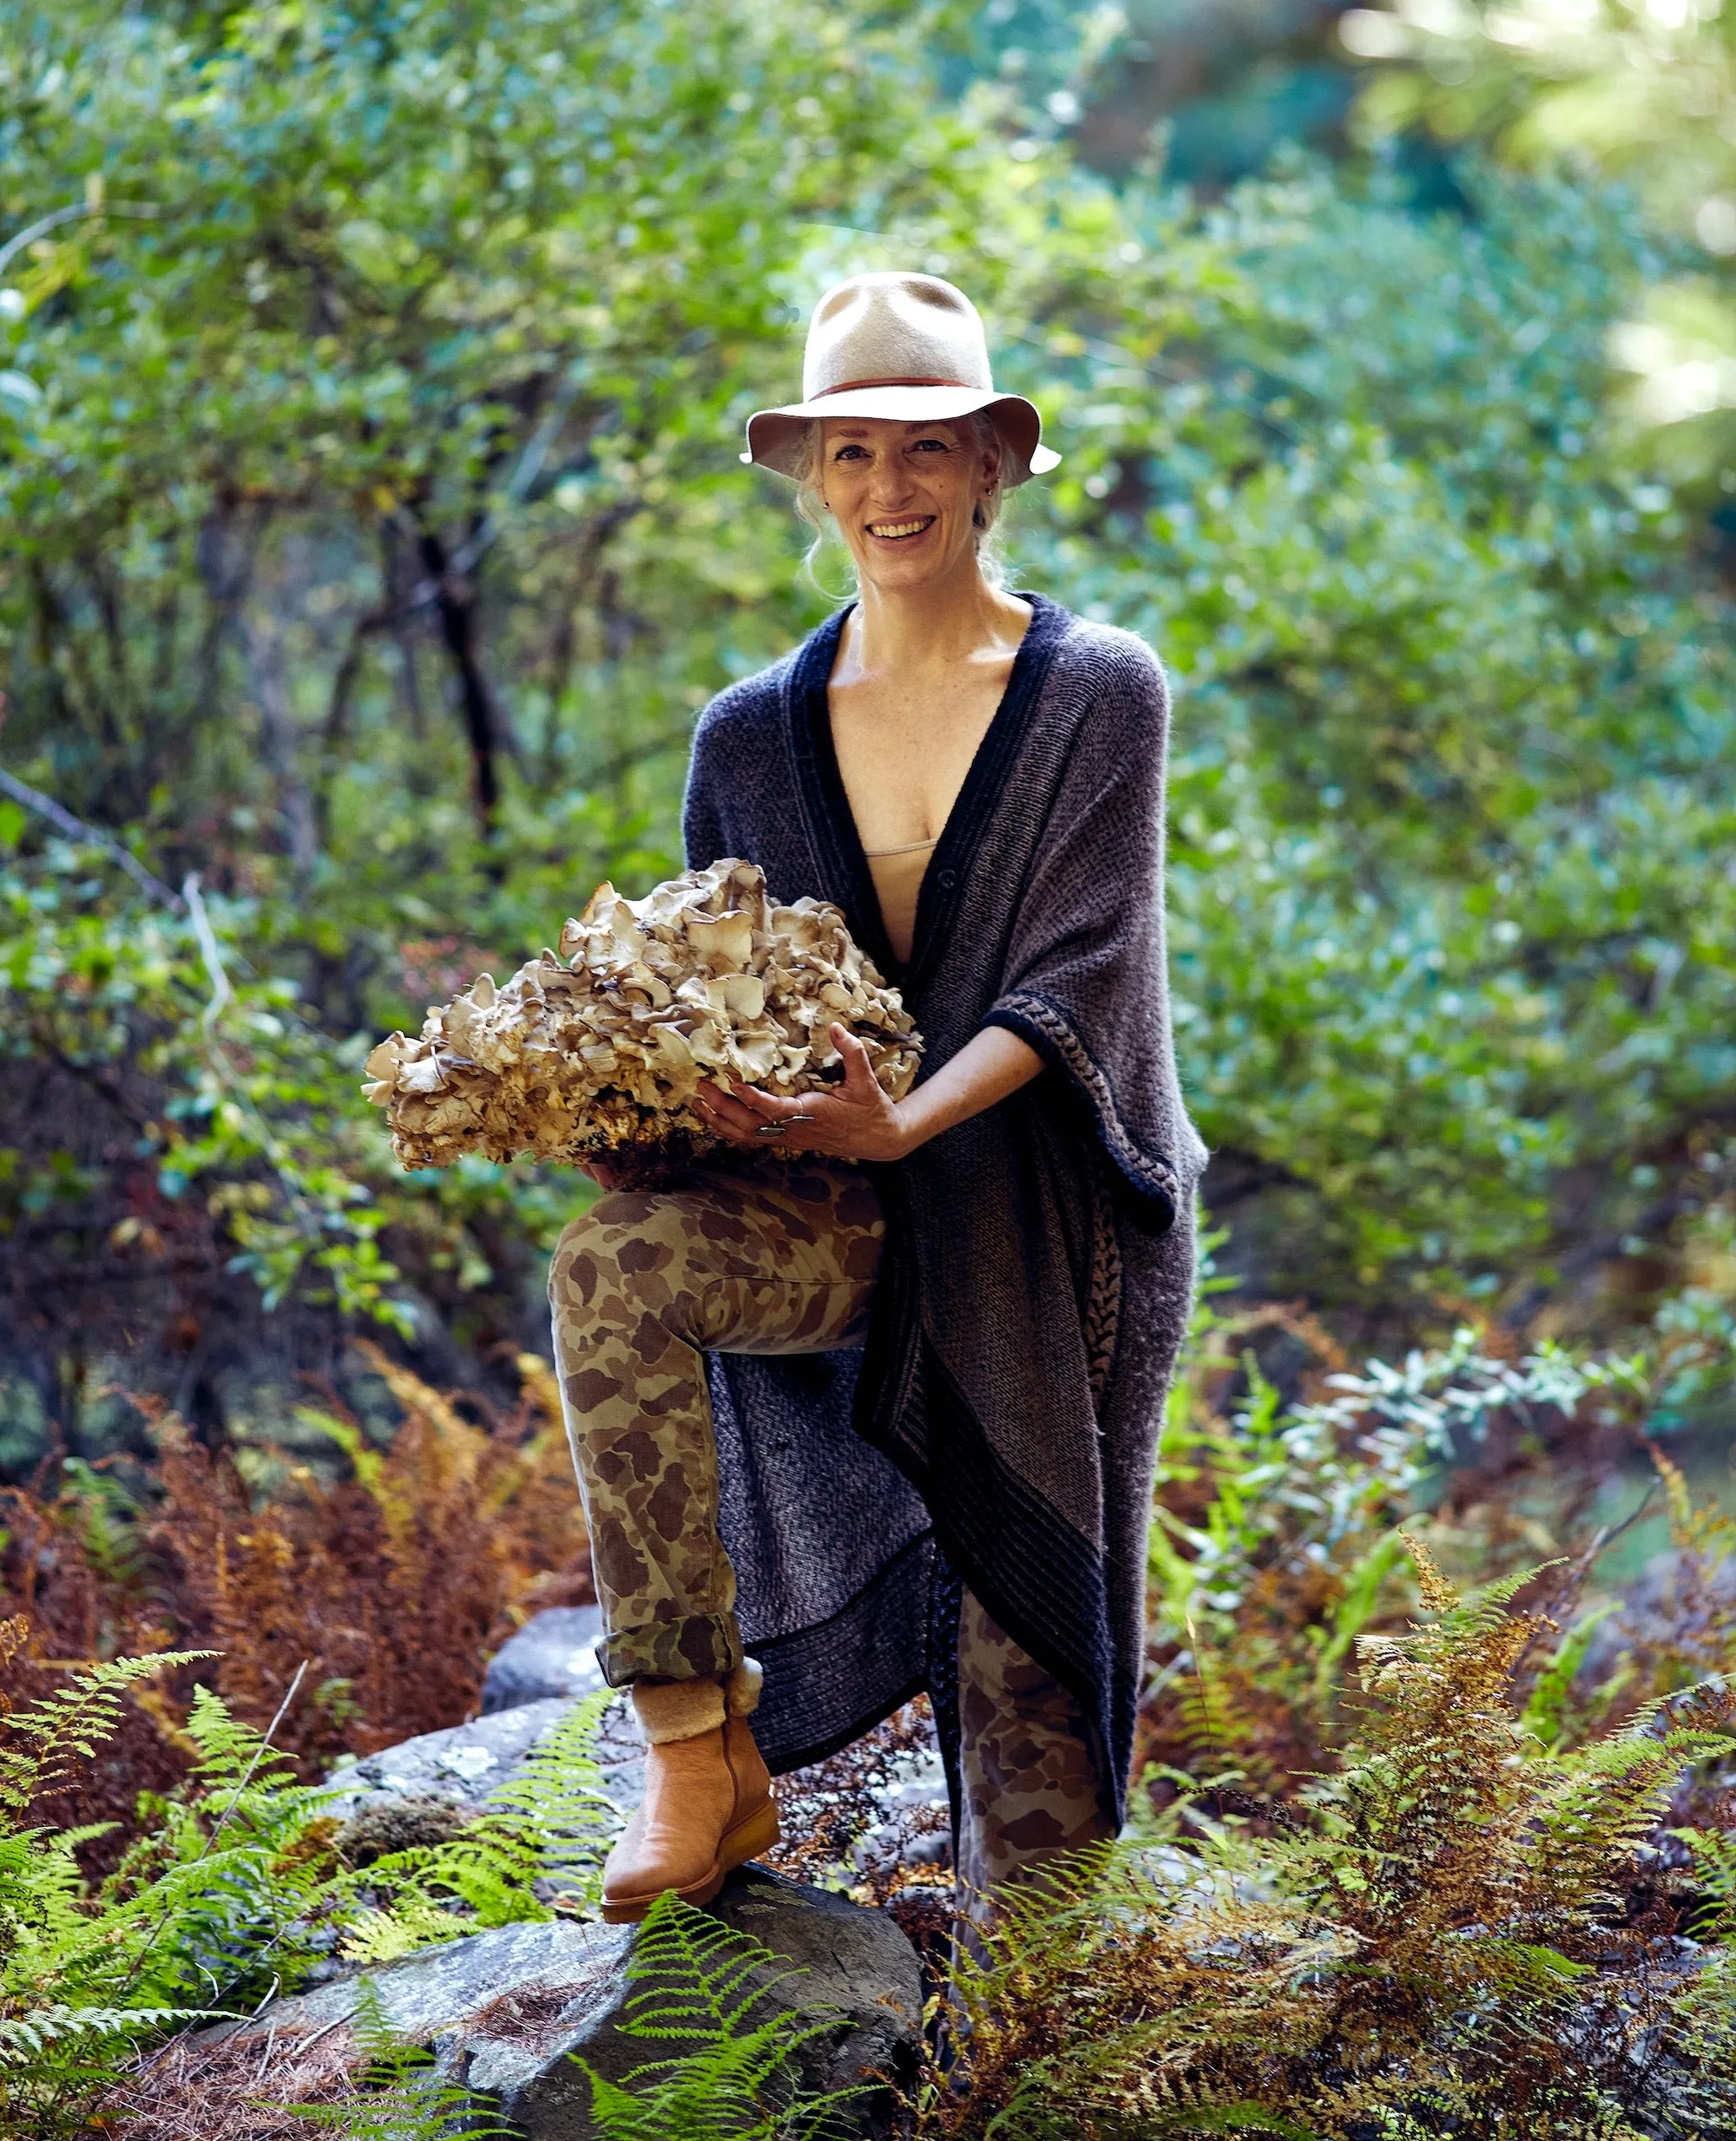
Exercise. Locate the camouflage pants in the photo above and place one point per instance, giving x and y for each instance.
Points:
(763, 1261)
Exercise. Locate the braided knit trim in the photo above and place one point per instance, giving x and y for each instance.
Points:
(1156, 1177)
(1103, 1308)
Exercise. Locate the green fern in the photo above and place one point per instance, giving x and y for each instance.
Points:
(550, 1824)
(396, 2094)
(231, 1890)
(702, 1985)
(74, 1997)
(68, 1726)
(558, 1794)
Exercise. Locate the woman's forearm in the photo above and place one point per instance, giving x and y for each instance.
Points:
(856, 1118)
(991, 1066)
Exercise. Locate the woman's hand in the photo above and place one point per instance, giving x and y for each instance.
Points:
(855, 1119)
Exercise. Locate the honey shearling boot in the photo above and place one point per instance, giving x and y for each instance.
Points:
(708, 1806)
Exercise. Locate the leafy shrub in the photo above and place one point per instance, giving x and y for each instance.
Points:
(1274, 1545)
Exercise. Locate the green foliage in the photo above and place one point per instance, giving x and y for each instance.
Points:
(1450, 875)
(256, 1106)
(76, 1988)
(379, 481)
(234, 1888)
(706, 1988)
(1645, 90)
(428, 303)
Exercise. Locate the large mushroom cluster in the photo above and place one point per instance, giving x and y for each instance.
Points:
(599, 1048)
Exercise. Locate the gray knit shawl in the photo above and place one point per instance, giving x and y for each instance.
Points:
(999, 1427)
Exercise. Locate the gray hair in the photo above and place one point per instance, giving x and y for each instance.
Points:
(977, 430)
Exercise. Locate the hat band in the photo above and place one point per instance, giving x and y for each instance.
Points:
(857, 386)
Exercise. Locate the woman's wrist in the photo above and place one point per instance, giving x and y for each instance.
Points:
(992, 1066)
(907, 1131)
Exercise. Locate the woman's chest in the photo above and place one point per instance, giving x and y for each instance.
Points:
(903, 750)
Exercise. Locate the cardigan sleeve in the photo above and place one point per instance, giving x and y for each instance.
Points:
(1085, 983)
(701, 820)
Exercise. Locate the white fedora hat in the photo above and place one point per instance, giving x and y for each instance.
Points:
(907, 347)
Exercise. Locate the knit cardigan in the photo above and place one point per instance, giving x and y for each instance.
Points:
(998, 1428)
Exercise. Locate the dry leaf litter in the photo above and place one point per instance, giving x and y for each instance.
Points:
(599, 1048)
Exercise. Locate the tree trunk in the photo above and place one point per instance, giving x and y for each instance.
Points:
(455, 603)
(277, 726)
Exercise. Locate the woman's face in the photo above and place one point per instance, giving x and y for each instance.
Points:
(903, 495)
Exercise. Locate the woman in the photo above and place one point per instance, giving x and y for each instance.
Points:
(887, 1402)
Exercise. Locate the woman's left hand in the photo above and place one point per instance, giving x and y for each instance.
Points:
(855, 1119)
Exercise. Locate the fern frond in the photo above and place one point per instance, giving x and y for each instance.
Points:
(411, 1922)
(73, 1722)
(557, 1795)
(35, 2031)
(699, 1984)
(231, 1752)
(552, 1821)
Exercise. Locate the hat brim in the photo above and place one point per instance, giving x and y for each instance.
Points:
(776, 437)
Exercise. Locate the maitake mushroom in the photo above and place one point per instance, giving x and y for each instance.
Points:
(601, 1051)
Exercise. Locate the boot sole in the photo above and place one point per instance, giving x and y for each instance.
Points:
(746, 1841)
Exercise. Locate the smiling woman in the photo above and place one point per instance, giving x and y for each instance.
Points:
(912, 501)
(975, 434)
(886, 1410)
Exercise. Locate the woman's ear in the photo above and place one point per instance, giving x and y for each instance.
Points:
(991, 476)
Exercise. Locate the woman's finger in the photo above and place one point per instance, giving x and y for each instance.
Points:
(767, 1106)
(775, 1107)
(859, 1081)
(723, 1114)
(735, 1117)
(749, 1102)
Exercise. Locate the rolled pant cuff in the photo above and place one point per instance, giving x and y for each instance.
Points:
(701, 1646)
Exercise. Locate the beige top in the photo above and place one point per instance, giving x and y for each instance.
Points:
(897, 874)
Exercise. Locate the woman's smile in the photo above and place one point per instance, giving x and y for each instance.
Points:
(902, 531)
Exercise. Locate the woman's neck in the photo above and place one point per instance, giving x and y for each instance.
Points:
(932, 625)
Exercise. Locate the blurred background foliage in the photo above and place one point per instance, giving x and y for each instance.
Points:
(371, 379)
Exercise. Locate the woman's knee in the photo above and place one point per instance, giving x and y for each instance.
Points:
(621, 1246)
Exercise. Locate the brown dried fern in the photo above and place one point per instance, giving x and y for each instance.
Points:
(1436, 1945)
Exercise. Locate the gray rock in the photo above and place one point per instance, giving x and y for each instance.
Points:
(553, 1654)
(442, 1989)
(506, 2010)
(466, 1763)
(853, 1961)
